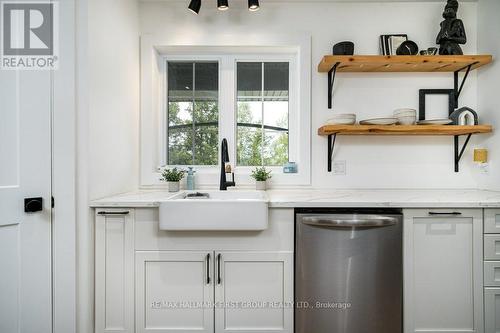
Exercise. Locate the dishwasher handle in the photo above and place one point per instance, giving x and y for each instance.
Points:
(350, 221)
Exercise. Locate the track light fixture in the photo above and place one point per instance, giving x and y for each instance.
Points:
(222, 5)
(195, 6)
(253, 5)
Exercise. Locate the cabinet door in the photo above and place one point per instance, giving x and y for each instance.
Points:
(492, 247)
(492, 221)
(443, 271)
(492, 310)
(254, 292)
(114, 271)
(174, 292)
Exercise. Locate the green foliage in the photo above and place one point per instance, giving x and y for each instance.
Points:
(261, 174)
(172, 175)
(199, 145)
(256, 146)
(204, 139)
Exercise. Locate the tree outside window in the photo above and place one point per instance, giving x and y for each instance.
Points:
(193, 113)
(262, 113)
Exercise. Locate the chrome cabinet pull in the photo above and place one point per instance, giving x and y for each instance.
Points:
(113, 213)
(208, 268)
(219, 278)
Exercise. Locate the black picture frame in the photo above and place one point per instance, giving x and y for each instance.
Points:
(385, 48)
(424, 92)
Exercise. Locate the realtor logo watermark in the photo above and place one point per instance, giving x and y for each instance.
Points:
(29, 35)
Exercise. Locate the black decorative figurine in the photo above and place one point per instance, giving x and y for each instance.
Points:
(452, 31)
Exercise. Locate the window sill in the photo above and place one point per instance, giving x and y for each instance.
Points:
(209, 177)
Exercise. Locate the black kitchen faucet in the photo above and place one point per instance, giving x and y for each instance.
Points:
(224, 158)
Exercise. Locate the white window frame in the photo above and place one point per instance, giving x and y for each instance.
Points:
(154, 57)
(164, 106)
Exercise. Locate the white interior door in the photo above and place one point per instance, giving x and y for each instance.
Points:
(25, 172)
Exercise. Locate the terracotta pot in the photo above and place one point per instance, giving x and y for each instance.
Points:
(261, 185)
(173, 186)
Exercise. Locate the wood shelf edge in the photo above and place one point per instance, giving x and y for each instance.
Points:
(406, 63)
(408, 130)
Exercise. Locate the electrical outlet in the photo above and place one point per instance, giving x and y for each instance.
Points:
(339, 168)
(484, 168)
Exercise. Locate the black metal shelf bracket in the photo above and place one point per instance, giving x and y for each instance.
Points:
(331, 146)
(331, 80)
(459, 152)
(456, 88)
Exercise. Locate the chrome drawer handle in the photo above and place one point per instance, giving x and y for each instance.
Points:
(445, 213)
(113, 213)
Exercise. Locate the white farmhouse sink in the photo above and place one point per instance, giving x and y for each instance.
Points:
(215, 210)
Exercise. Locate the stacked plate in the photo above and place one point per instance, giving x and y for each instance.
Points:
(379, 121)
(342, 119)
(406, 116)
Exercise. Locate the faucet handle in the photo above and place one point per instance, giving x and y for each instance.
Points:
(228, 168)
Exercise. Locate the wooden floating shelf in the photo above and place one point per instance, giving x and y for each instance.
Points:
(331, 131)
(418, 63)
(450, 130)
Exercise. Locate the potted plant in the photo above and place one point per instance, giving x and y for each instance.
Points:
(261, 175)
(172, 177)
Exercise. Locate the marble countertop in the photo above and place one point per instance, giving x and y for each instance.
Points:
(456, 198)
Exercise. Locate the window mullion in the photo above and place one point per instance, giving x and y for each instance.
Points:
(192, 108)
(227, 104)
(262, 115)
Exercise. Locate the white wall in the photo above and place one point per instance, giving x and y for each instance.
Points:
(489, 85)
(375, 162)
(108, 122)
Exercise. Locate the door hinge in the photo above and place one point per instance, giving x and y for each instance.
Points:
(52, 202)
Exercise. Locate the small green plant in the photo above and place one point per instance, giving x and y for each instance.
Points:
(261, 174)
(172, 175)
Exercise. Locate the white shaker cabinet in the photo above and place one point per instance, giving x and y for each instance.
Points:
(254, 292)
(114, 271)
(148, 280)
(174, 292)
(443, 270)
(492, 271)
(492, 310)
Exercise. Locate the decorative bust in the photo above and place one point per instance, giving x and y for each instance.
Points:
(452, 31)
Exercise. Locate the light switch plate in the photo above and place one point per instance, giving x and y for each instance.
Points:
(339, 168)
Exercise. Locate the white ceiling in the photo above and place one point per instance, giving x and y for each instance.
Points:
(309, 1)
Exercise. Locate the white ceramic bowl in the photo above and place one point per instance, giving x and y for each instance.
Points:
(342, 119)
(405, 112)
(407, 120)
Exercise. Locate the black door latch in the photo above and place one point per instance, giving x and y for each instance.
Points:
(32, 205)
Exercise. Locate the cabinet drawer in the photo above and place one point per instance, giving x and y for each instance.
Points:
(492, 221)
(492, 310)
(492, 273)
(491, 247)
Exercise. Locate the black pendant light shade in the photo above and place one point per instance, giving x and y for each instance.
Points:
(222, 4)
(253, 5)
(195, 6)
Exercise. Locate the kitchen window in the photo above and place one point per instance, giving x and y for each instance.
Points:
(252, 110)
(255, 93)
(262, 113)
(192, 113)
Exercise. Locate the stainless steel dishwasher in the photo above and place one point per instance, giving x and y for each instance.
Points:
(348, 271)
